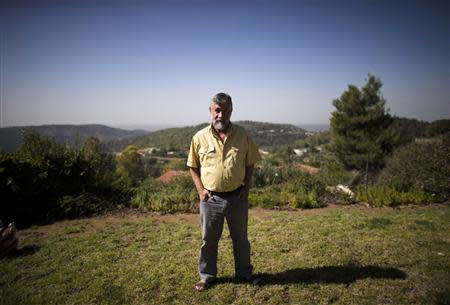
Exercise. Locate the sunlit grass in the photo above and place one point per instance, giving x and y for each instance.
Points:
(336, 256)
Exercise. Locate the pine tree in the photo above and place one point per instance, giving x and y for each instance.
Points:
(360, 138)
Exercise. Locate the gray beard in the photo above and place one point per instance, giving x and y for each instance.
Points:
(219, 125)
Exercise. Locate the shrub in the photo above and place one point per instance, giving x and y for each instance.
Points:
(300, 198)
(268, 173)
(267, 197)
(175, 165)
(178, 195)
(130, 167)
(84, 204)
(424, 165)
(45, 181)
(302, 190)
(332, 172)
(390, 196)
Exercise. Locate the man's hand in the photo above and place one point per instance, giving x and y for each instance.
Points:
(244, 193)
(204, 194)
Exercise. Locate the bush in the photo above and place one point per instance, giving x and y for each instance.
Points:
(300, 198)
(175, 165)
(390, 196)
(46, 181)
(178, 195)
(424, 166)
(266, 174)
(302, 190)
(332, 172)
(84, 204)
(306, 191)
(130, 168)
(267, 197)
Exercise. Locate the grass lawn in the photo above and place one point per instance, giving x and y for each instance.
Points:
(336, 255)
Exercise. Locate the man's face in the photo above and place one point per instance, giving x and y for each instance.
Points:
(220, 115)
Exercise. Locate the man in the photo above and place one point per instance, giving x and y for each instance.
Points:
(221, 161)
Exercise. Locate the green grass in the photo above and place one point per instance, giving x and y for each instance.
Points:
(344, 255)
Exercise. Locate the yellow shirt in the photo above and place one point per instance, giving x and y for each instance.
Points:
(222, 165)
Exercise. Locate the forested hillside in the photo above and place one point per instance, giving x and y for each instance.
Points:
(264, 134)
(11, 137)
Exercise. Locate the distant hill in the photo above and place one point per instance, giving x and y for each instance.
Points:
(264, 134)
(11, 137)
(315, 127)
(406, 130)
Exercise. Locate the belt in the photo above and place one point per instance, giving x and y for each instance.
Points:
(227, 193)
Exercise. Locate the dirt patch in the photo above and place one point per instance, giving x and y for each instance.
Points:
(86, 224)
(307, 168)
(170, 175)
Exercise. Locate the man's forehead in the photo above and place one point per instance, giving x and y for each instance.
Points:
(223, 106)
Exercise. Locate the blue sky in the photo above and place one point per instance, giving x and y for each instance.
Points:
(160, 62)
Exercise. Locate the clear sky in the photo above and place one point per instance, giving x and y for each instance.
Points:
(160, 62)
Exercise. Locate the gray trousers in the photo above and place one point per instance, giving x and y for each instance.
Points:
(212, 214)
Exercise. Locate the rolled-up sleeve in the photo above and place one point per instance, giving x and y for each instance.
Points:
(193, 159)
(253, 155)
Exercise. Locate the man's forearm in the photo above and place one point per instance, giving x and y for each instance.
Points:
(248, 176)
(195, 174)
(203, 193)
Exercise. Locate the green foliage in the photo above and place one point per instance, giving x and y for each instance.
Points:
(423, 165)
(152, 168)
(177, 195)
(267, 173)
(404, 130)
(130, 168)
(298, 190)
(332, 172)
(438, 127)
(169, 139)
(390, 196)
(175, 165)
(305, 191)
(179, 139)
(101, 166)
(358, 126)
(84, 204)
(300, 198)
(270, 134)
(45, 180)
(270, 173)
(73, 135)
(319, 138)
(267, 197)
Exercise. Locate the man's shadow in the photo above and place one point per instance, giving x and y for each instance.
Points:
(346, 274)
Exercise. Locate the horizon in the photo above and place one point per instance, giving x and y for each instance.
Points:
(160, 62)
(157, 126)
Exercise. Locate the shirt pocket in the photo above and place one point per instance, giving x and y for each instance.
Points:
(207, 156)
(235, 156)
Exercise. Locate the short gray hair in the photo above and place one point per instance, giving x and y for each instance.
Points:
(222, 98)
